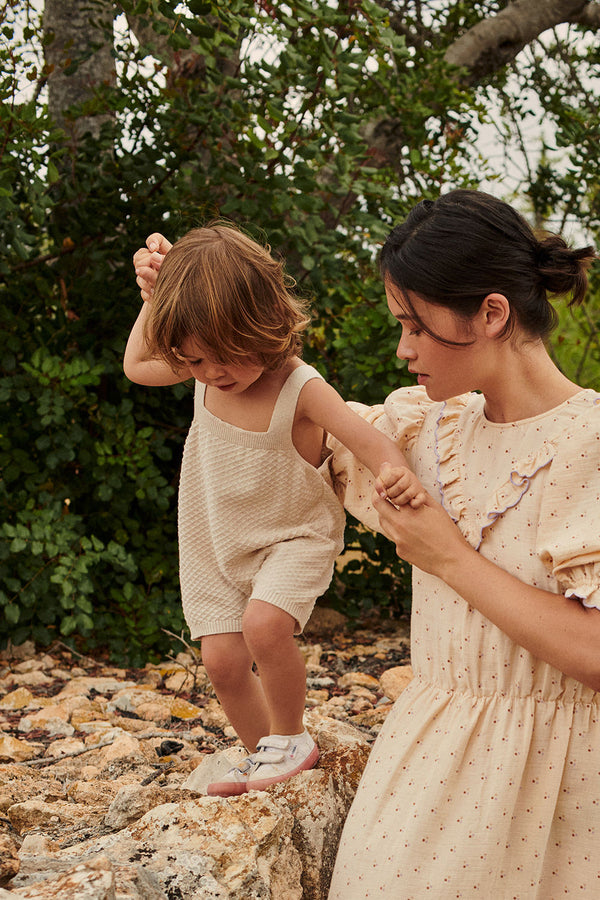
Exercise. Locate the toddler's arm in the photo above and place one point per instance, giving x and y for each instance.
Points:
(322, 404)
(136, 364)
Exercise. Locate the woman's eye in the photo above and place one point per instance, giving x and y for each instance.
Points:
(415, 331)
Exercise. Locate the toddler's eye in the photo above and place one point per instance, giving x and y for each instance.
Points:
(415, 331)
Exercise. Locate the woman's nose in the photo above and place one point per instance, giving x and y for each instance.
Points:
(403, 350)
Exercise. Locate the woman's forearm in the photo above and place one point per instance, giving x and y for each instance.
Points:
(555, 628)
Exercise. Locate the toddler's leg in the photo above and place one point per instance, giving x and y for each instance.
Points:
(269, 635)
(229, 667)
(285, 747)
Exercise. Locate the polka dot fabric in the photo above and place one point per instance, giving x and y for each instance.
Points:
(485, 779)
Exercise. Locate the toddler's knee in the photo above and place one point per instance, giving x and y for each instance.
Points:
(266, 627)
(225, 665)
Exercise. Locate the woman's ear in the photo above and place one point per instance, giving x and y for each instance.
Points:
(495, 312)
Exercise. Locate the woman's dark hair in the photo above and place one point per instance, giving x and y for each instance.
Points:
(456, 250)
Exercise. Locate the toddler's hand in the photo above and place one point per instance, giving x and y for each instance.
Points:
(147, 261)
(400, 486)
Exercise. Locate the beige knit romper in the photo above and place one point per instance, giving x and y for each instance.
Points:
(256, 520)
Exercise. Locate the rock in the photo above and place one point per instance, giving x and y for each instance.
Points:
(14, 750)
(131, 803)
(123, 746)
(52, 719)
(101, 814)
(17, 699)
(101, 685)
(393, 681)
(30, 678)
(358, 679)
(181, 709)
(213, 847)
(64, 747)
(194, 678)
(9, 859)
(19, 783)
(319, 813)
(93, 793)
(92, 880)
(34, 844)
(19, 651)
(35, 664)
(154, 712)
(212, 716)
(33, 813)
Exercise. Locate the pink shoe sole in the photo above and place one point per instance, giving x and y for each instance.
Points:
(262, 783)
(226, 789)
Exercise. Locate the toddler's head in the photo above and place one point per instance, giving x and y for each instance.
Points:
(219, 287)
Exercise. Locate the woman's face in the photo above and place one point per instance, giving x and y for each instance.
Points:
(445, 370)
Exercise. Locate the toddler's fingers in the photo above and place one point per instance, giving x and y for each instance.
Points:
(399, 485)
(404, 497)
(140, 257)
(158, 242)
(387, 475)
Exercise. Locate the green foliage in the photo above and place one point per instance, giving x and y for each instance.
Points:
(258, 112)
(575, 344)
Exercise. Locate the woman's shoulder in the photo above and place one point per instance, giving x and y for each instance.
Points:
(578, 418)
(414, 403)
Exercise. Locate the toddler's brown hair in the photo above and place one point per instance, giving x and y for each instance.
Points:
(222, 288)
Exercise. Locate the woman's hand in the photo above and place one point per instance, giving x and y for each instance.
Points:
(425, 537)
(147, 261)
(554, 628)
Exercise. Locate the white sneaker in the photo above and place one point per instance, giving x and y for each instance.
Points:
(233, 783)
(279, 757)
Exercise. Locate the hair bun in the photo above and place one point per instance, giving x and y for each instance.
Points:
(562, 270)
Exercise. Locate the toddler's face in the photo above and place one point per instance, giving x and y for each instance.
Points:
(225, 377)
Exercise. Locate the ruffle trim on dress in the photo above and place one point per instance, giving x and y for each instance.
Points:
(586, 595)
(447, 460)
(472, 523)
(517, 485)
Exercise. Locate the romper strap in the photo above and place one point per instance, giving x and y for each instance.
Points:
(285, 407)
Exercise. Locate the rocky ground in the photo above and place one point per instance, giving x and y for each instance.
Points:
(103, 773)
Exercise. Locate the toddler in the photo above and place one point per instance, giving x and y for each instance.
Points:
(260, 525)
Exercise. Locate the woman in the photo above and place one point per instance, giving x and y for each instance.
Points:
(485, 778)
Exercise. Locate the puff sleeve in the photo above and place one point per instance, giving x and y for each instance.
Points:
(400, 418)
(569, 528)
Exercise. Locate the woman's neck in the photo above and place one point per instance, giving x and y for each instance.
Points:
(527, 385)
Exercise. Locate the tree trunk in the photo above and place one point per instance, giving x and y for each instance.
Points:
(78, 52)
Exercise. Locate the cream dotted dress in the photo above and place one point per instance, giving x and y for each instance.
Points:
(485, 779)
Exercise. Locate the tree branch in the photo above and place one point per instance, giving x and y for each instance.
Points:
(496, 41)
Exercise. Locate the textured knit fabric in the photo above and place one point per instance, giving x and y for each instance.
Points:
(255, 519)
(485, 778)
